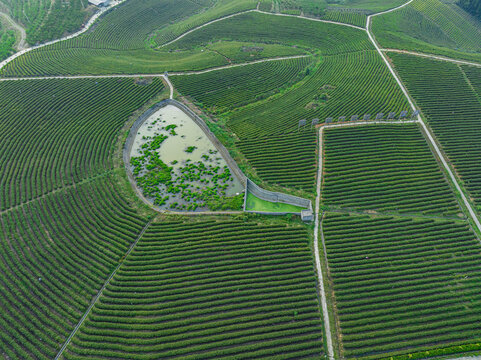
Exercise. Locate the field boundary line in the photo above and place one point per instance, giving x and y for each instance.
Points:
(260, 12)
(320, 277)
(94, 301)
(175, 73)
(87, 26)
(23, 35)
(427, 131)
(67, 187)
(434, 57)
(342, 210)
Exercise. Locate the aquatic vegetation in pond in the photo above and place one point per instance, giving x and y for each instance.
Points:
(196, 178)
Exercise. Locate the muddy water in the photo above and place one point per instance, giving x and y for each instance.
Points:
(173, 149)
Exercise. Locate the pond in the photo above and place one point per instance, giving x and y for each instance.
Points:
(177, 167)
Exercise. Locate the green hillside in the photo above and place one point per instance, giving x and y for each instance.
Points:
(430, 26)
(209, 289)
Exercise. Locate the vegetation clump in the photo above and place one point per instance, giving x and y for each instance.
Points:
(7, 43)
(184, 184)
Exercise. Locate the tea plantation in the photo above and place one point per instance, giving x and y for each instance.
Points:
(56, 253)
(452, 107)
(125, 227)
(56, 133)
(209, 289)
(431, 26)
(46, 20)
(394, 160)
(401, 284)
(268, 128)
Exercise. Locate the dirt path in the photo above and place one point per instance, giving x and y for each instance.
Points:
(22, 43)
(320, 277)
(206, 24)
(178, 73)
(261, 12)
(428, 131)
(91, 21)
(64, 346)
(238, 65)
(313, 19)
(386, 12)
(169, 84)
(435, 57)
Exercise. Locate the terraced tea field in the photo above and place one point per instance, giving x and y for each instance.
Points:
(266, 28)
(403, 285)
(346, 17)
(390, 268)
(449, 98)
(431, 26)
(287, 159)
(220, 10)
(268, 129)
(221, 91)
(55, 133)
(118, 44)
(47, 20)
(343, 85)
(56, 252)
(384, 168)
(209, 289)
(266, 125)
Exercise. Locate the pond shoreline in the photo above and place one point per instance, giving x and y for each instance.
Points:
(129, 142)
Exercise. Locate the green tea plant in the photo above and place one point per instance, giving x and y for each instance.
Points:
(449, 96)
(402, 285)
(384, 168)
(55, 133)
(213, 288)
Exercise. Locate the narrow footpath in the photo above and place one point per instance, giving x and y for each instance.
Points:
(87, 26)
(22, 43)
(427, 130)
(94, 301)
(434, 57)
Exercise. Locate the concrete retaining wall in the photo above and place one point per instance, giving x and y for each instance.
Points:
(234, 168)
(274, 196)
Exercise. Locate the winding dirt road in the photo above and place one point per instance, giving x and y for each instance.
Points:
(22, 43)
(177, 73)
(434, 57)
(87, 26)
(261, 12)
(427, 130)
(326, 320)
